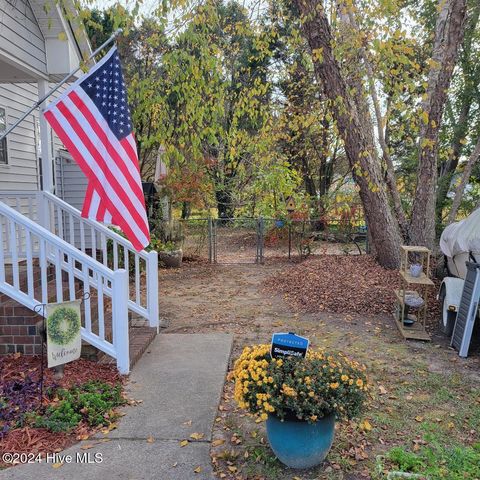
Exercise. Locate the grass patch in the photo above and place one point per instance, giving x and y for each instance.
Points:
(438, 462)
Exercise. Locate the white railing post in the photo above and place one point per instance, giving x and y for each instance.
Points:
(120, 320)
(152, 289)
(42, 211)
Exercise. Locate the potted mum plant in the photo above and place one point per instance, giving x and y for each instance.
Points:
(300, 398)
(169, 255)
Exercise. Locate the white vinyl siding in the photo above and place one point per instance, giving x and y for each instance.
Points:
(21, 172)
(20, 35)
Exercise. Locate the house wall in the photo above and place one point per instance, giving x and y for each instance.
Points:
(71, 183)
(21, 172)
(20, 35)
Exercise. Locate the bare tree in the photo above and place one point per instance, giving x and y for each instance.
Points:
(449, 32)
(357, 133)
(460, 188)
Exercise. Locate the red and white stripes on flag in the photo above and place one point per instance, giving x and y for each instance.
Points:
(93, 121)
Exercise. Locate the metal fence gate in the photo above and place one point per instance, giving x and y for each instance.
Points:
(235, 240)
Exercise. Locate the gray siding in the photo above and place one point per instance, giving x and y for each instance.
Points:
(71, 182)
(21, 173)
(20, 34)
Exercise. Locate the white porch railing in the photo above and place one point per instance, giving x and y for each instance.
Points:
(25, 203)
(111, 249)
(75, 272)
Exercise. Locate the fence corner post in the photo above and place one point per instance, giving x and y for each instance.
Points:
(210, 240)
(120, 320)
(152, 289)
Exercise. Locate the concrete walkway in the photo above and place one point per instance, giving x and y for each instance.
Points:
(179, 381)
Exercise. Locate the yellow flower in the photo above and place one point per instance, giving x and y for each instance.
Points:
(313, 418)
(289, 391)
(311, 394)
(359, 382)
(344, 378)
(334, 385)
(263, 416)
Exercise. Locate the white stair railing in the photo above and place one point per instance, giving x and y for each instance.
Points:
(111, 249)
(75, 273)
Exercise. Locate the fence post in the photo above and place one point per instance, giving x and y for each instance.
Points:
(152, 289)
(210, 240)
(120, 320)
(214, 241)
(261, 228)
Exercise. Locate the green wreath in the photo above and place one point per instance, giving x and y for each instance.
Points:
(63, 325)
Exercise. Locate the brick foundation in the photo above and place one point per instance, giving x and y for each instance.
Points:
(18, 330)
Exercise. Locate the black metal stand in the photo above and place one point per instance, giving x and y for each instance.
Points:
(40, 309)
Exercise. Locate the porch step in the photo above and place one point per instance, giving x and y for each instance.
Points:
(139, 339)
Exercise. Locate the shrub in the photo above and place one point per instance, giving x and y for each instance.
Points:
(92, 402)
(306, 389)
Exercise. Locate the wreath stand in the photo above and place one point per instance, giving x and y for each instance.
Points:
(40, 309)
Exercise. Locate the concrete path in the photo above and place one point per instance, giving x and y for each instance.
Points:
(179, 381)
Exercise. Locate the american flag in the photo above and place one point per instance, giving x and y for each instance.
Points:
(93, 121)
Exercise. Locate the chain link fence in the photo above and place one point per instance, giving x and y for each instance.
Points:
(254, 240)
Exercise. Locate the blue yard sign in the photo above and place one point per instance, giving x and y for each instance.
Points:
(288, 345)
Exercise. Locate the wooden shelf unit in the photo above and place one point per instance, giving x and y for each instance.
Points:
(413, 286)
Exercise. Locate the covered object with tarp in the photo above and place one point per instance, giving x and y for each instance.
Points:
(460, 242)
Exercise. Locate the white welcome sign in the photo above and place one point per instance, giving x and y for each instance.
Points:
(64, 342)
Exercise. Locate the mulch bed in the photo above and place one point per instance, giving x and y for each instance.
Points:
(20, 388)
(341, 284)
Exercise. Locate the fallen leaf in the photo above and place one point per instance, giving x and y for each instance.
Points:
(183, 443)
(57, 465)
(197, 436)
(150, 439)
(86, 447)
(218, 442)
(365, 426)
(197, 470)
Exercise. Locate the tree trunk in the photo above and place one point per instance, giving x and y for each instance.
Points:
(467, 96)
(390, 176)
(356, 132)
(448, 169)
(225, 206)
(449, 33)
(186, 210)
(460, 188)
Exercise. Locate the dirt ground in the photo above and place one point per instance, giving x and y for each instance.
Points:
(419, 388)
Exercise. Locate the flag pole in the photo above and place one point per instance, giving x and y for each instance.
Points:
(59, 84)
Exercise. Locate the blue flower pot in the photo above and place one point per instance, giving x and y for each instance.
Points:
(299, 444)
(279, 223)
